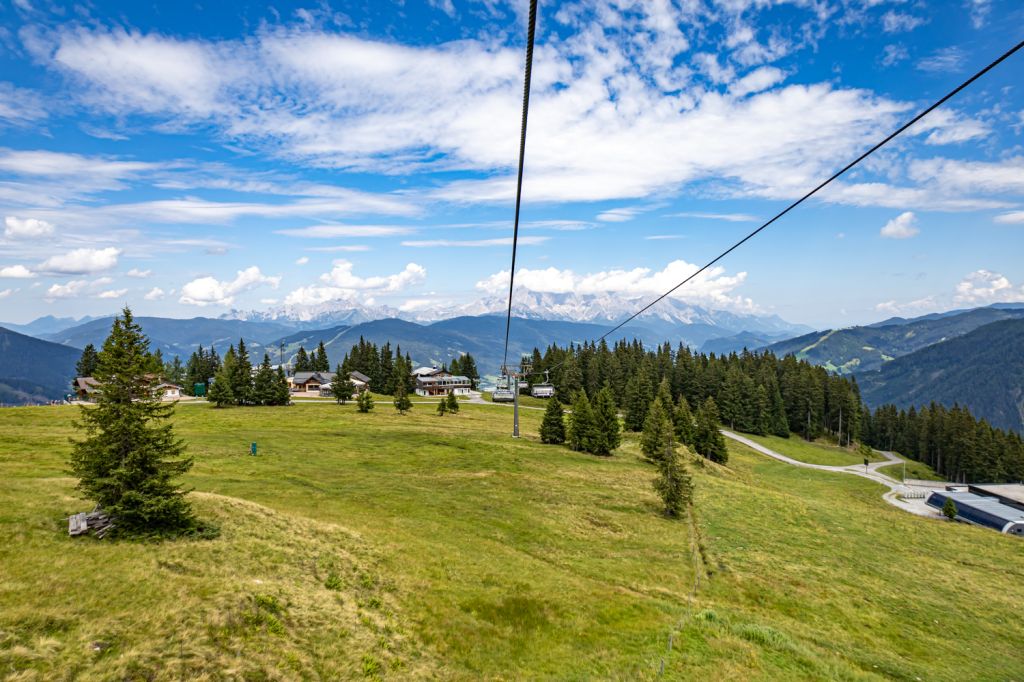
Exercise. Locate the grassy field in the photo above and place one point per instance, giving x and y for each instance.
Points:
(379, 546)
(817, 452)
(915, 469)
(525, 401)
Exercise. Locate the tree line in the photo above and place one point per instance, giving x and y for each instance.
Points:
(237, 384)
(380, 363)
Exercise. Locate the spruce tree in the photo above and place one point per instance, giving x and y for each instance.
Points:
(88, 363)
(282, 392)
(707, 440)
(762, 416)
(552, 428)
(341, 386)
(302, 363)
(606, 423)
(221, 393)
(241, 376)
(949, 509)
(452, 402)
(323, 364)
(684, 424)
(130, 457)
(673, 484)
(402, 402)
(365, 401)
(265, 384)
(468, 367)
(582, 432)
(442, 407)
(657, 431)
(780, 425)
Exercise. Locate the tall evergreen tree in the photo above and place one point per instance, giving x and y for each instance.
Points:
(88, 363)
(442, 407)
(364, 403)
(657, 431)
(673, 484)
(582, 431)
(606, 422)
(552, 428)
(467, 366)
(265, 384)
(341, 386)
(684, 423)
(707, 440)
(241, 376)
(453, 403)
(221, 392)
(302, 363)
(402, 402)
(282, 392)
(129, 458)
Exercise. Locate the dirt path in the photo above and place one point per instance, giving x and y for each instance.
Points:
(913, 504)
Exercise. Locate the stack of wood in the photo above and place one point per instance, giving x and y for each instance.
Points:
(95, 521)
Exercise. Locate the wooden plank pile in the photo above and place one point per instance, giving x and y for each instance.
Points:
(95, 521)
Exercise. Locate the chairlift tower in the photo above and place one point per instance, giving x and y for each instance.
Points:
(514, 372)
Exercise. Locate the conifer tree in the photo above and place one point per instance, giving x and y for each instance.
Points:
(949, 509)
(282, 393)
(341, 386)
(129, 459)
(323, 364)
(582, 432)
(707, 440)
(684, 424)
(762, 411)
(240, 377)
(442, 407)
(221, 393)
(552, 428)
(673, 484)
(88, 363)
(657, 431)
(452, 402)
(572, 377)
(780, 425)
(606, 423)
(365, 402)
(467, 365)
(174, 371)
(265, 384)
(402, 402)
(302, 363)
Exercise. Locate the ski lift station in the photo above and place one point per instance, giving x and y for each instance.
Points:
(981, 509)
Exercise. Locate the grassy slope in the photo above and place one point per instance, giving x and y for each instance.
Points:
(813, 453)
(915, 469)
(465, 555)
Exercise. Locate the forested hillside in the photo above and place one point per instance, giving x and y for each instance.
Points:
(750, 389)
(862, 349)
(982, 370)
(32, 370)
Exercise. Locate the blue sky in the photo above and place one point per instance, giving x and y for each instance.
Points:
(190, 159)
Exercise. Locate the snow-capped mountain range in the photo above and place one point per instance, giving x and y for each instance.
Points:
(568, 307)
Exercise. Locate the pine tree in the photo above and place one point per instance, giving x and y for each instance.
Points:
(582, 431)
(657, 431)
(282, 393)
(241, 376)
(949, 509)
(341, 386)
(468, 368)
(130, 457)
(552, 428)
(572, 377)
(265, 384)
(762, 417)
(452, 402)
(365, 402)
(707, 440)
(174, 372)
(442, 407)
(221, 393)
(780, 425)
(673, 484)
(302, 363)
(323, 364)
(606, 423)
(684, 424)
(402, 402)
(88, 363)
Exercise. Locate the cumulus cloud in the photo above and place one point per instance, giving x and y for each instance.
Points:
(916, 307)
(982, 287)
(206, 291)
(82, 261)
(903, 226)
(112, 293)
(342, 284)
(713, 287)
(302, 261)
(1011, 218)
(71, 289)
(897, 22)
(155, 294)
(26, 228)
(138, 274)
(16, 272)
(6, 292)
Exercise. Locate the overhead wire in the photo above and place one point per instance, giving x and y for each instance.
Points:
(531, 30)
(952, 93)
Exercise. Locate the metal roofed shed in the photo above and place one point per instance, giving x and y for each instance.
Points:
(1011, 494)
(981, 510)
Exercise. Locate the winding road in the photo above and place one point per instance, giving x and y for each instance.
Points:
(914, 505)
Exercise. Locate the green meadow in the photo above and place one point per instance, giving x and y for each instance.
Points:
(380, 546)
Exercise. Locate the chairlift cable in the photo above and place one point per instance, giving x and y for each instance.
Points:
(952, 93)
(531, 30)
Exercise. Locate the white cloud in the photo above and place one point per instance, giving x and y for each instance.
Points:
(155, 294)
(70, 289)
(139, 274)
(302, 261)
(917, 307)
(757, 81)
(339, 231)
(6, 292)
(26, 228)
(19, 106)
(728, 217)
(979, 12)
(473, 243)
(619, 215)
(346, 248)
(903, 226)
(713, 287)
(982, 287)
(82, 261)
(268, 301)
(1011, 218)
(342, 284)
(112, 293)
(893, 54)
(206, 291)
(945, 60)
(16, 272)
(897, 22)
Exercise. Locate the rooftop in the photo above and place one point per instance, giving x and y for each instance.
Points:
(983, 503)
(1010, 491)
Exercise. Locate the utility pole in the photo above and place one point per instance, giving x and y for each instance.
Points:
(280, 355)
(840, 426)
(513, 373)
